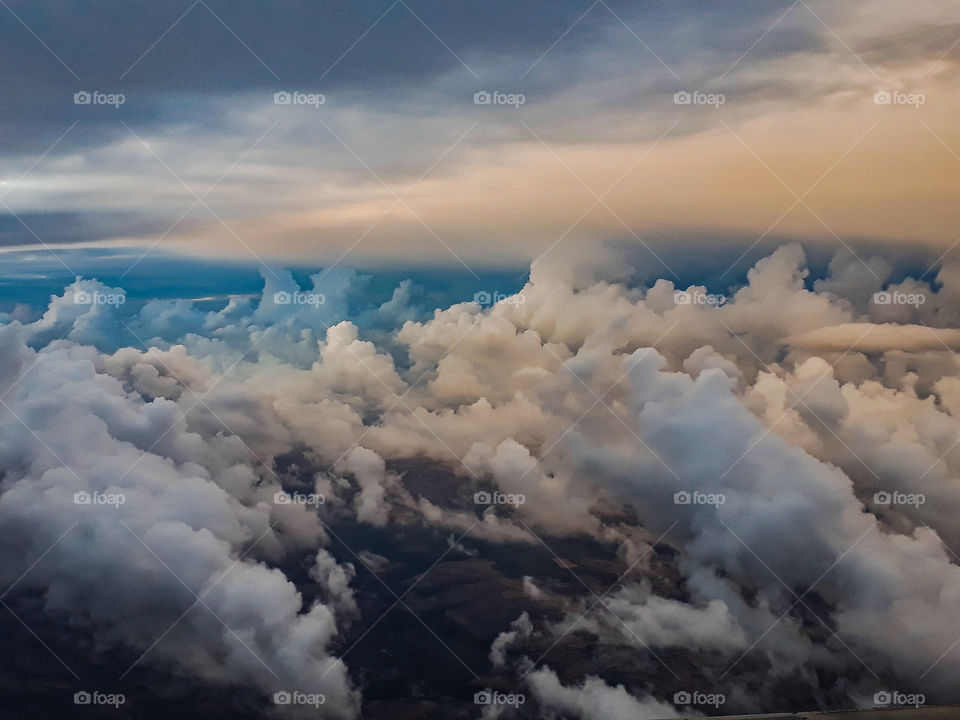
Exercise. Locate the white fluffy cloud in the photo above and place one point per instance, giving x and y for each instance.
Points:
(595, 400)
(184, 520)
(593, 700)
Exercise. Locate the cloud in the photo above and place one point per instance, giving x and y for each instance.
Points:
(197, 107)
(867, 337)
(594, 699)
(369, 470)
(654, 621)
(519, 628)
(183, 519)
(599, 400)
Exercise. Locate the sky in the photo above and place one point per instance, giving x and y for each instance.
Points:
(399, 165)
(545, 360)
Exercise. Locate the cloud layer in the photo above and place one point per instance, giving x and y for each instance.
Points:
(795, 443)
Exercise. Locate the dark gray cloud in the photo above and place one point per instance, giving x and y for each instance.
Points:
(72, 227)
(171, 71)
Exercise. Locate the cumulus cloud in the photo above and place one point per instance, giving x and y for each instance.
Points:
(779, 415)
(654, 621)
(370, 471)
(183, 539)
(594, 699)
(519, 628)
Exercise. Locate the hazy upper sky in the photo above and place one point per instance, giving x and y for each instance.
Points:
(784, 136)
